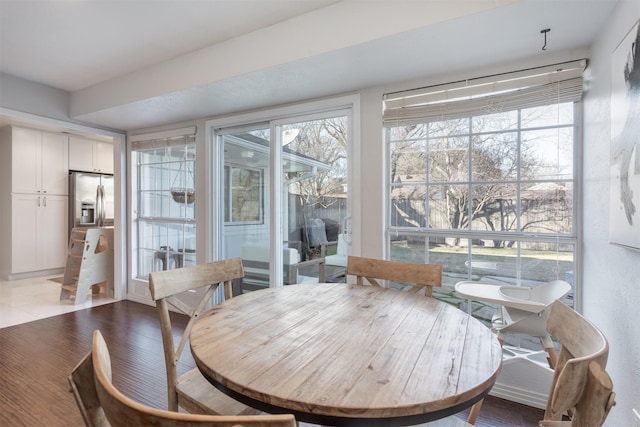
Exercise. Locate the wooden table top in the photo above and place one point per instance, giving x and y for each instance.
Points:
(338, 354)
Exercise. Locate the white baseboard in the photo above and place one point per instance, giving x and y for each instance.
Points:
(138, 291)
(34, 274)
(141, 300)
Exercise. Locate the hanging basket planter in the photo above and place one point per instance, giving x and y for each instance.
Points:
(183, 176)
(182, 195)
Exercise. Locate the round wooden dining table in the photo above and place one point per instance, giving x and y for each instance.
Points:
(346, 355)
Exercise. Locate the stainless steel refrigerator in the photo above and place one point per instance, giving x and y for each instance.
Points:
(90, 200)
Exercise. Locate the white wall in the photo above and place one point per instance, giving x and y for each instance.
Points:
(611, 279)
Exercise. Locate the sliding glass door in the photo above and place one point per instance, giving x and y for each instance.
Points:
(243, 214)
(284, 187)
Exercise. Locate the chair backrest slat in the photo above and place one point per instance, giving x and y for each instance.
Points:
(193, 316)
(171, 282)
(577, 335)
(419, 275)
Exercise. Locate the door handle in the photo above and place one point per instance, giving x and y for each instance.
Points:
(103, 211)
(346, 229)
(102, 214)
(97, 218)
(100, 206)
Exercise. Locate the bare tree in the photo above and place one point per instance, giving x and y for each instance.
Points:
(323, 140)
(473, 166)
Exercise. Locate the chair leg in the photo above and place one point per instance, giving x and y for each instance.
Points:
(553, 357)
(547, 344)
(475, 410)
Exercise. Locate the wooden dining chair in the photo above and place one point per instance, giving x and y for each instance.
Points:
(107, 406)
(594, 403)
(191, 391)
(83, 387)
(580, 387)
(581, 392)
(415, 276)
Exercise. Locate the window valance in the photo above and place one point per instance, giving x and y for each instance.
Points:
(486, 95)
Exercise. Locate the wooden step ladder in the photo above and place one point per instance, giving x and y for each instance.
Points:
(89, 264)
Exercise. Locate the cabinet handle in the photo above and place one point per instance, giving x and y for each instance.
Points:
(44, 199)
(38, 202)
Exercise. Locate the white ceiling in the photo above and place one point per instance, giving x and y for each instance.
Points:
(139, 63)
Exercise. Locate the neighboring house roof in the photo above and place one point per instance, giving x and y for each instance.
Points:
(252, 151)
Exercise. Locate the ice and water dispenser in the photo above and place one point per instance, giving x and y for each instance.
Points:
(88, 213)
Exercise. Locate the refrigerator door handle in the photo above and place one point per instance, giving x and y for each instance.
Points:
(97, 219)
(102, 206)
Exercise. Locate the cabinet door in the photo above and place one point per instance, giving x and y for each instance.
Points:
(55, 166)
(80, 154)
(26, 160)
(103, 160)
(24, 234)
(52, 231)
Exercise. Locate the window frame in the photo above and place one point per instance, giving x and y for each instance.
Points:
(229, 195)
(425, 230)
(141, 218)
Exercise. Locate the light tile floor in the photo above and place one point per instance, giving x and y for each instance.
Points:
(26, 300)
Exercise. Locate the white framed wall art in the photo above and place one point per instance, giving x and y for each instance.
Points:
(624, 216)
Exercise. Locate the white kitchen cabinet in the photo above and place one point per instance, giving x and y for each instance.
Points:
(34, 183)
(39, 236)
(90, 156)
(103, 157)
(39, 160)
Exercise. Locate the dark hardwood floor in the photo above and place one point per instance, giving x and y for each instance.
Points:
(37, 357)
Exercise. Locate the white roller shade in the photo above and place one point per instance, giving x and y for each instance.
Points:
(170, 138)
(485, 95)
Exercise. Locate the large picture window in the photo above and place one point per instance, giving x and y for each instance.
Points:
(486, 190)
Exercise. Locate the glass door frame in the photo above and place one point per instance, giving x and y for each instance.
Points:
(348, 106)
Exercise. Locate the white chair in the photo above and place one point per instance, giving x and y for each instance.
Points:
(255, 259)
(340, 257)
(522, 309)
